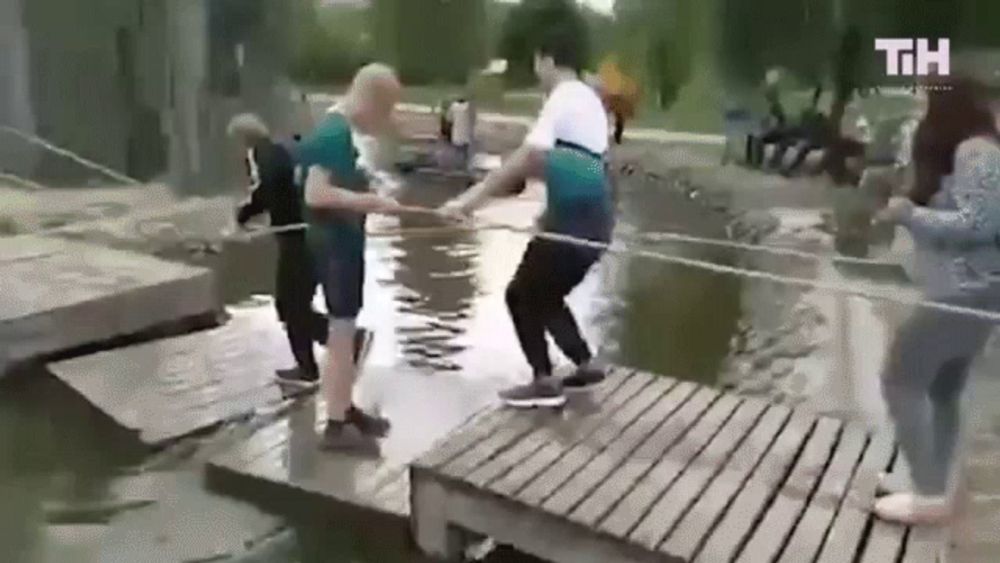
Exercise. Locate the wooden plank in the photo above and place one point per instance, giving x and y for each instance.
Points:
(533, 532)
(669, 470)
(811, 530)
(924, 544)
(463, 438)
(677, 440)
(394, 496)
(481, 426)
(609, 398)
(670, 429)
(692, 530)
(503, 436)
(541, 487)
(725, 539)
(549, 454)
(885, 542)
(500, 438)
(780, 519)
(599, 469)
(674, 503)
(258, 444)
(846, 533)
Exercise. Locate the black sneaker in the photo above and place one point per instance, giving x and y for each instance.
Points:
(346, 437)
(369, 424)
(584, 379)
(545, 392)
(362, 345)
(297, 378)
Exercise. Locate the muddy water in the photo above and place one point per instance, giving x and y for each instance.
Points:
(443, 346)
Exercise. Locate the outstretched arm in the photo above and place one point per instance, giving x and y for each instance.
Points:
(524, 163)
(321, 193)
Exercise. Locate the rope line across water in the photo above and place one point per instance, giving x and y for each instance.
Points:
(889, 295)
(35, 140)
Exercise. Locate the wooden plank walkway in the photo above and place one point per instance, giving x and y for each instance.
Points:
(61, 295)
(166, 389)
(662, 470)
(281, 468)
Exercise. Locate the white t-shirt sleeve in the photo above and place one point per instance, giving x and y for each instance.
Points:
(543, 134)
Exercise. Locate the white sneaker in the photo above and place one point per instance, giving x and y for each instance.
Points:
(912, 509)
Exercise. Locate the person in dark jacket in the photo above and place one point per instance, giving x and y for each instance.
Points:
(271, 169)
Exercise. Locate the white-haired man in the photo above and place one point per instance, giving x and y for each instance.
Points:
(337, 199)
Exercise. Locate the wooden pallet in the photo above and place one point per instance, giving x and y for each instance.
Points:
(662, 470)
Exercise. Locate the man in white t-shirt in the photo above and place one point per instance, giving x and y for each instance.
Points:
(566, 149)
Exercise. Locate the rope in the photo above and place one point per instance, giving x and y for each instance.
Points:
(35, 140)
(889, 295)
(617, 248)
(34, 186)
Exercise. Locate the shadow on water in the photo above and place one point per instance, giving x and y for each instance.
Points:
(54, 447)
(442, 307)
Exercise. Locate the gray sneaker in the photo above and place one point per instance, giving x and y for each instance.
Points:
(545, 392)
(345, 437)
(369, 424)
(584, 379)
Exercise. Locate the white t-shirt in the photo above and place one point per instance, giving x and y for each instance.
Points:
(573, 113)
(461, 118)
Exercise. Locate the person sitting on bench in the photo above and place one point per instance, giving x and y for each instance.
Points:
(810, 134)
(775, 124)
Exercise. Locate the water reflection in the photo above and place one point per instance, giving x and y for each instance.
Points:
(668, 318)
(436, 283)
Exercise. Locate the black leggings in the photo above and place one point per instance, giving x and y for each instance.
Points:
(536, 296)
(295, 288)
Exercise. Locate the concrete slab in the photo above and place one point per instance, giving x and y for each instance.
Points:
(59, 295)
(170, 388)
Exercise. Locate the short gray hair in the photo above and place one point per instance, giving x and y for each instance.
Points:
(249, 126)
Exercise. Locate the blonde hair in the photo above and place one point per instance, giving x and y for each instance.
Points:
(248, 126)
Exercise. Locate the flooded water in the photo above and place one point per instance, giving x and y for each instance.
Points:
(444, 345)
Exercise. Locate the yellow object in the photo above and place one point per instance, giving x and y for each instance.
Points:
(621, 93)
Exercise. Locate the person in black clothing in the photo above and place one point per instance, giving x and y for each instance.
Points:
(271, 168)
(775, 124)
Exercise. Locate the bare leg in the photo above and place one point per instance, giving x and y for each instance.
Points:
(339, 375)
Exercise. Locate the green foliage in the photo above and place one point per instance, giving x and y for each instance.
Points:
(431, 40)
(330, 44)
(526, 25)
(487, 90)
(655, 42)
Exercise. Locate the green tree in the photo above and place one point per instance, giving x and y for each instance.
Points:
(329, 44)
(431, 40)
